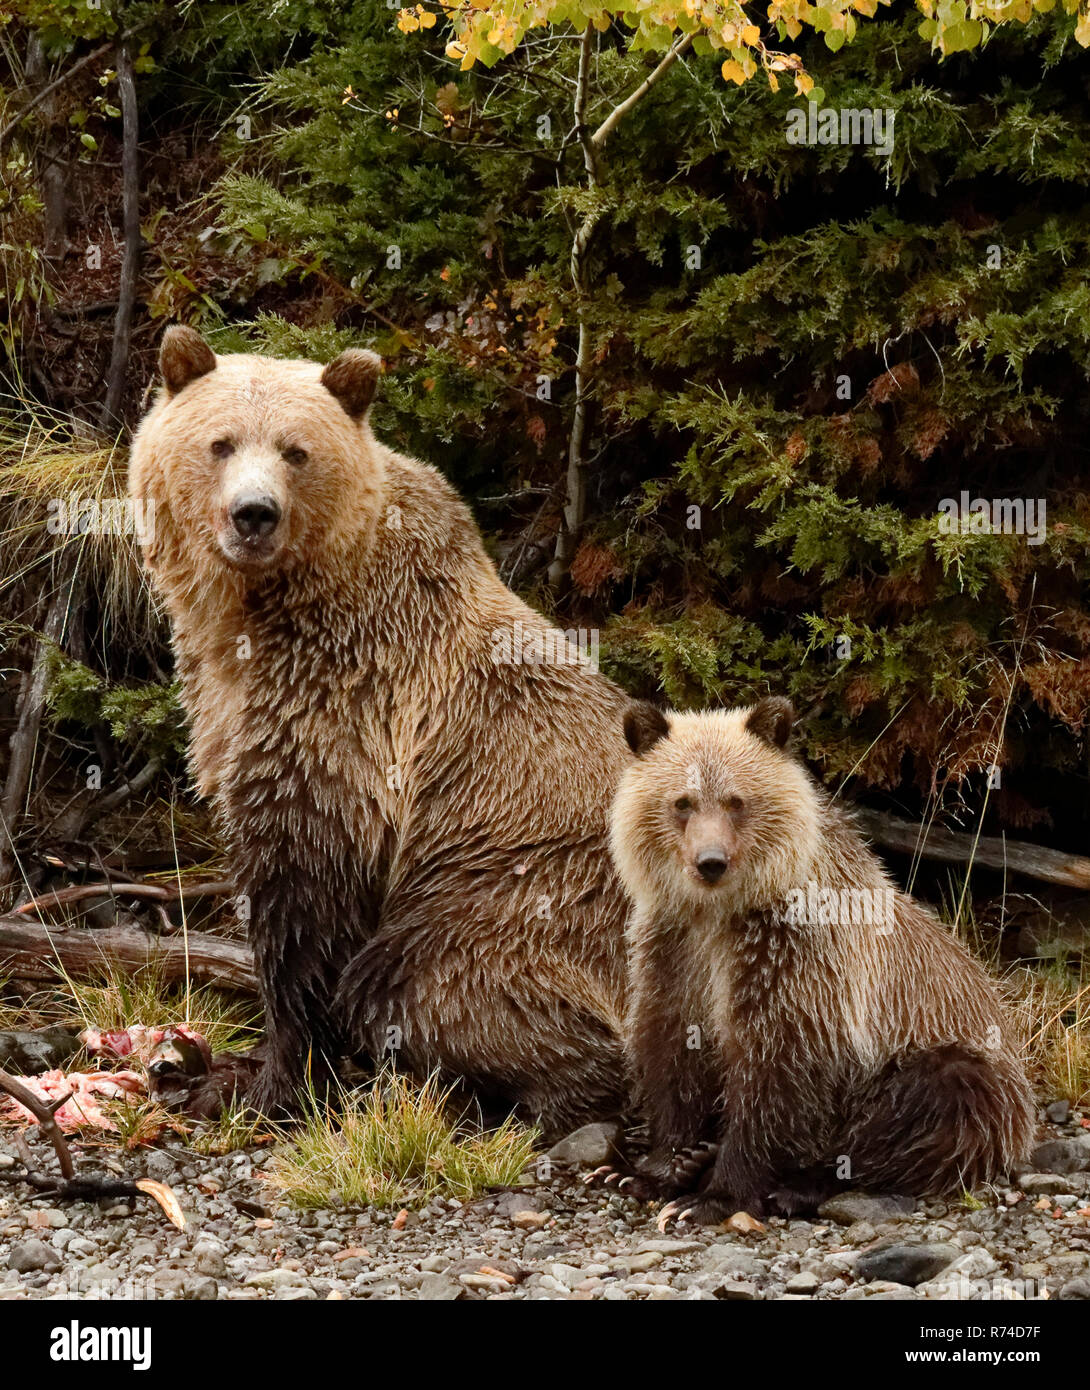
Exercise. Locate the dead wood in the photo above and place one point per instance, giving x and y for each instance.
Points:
(989, 851)
(34, 951)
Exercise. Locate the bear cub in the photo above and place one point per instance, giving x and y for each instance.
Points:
(793, 1017)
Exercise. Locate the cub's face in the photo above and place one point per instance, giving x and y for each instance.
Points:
(714, 813)
(252, 462)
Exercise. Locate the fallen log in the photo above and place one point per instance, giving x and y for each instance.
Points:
(36, 951)
(989, 851)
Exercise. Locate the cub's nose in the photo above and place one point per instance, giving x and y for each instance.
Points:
(255, 515)
(711, 865)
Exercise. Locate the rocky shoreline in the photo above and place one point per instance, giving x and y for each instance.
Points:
(553, 1237)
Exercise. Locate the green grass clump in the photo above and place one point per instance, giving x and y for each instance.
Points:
(396, 1144)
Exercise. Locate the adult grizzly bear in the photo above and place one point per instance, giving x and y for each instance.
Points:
(412, 769)
(786, 1000)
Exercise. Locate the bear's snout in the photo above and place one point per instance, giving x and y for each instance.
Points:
(255, 516)
(712, 863)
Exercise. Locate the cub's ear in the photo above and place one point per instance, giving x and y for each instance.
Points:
(183, 357)
(352, 378)
(772, 719)
(644, 725)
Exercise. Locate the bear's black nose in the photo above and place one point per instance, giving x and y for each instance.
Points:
(711, 865)
(255, 516)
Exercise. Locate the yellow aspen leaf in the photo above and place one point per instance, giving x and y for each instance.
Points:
(773, 81)
(803, 83)
(455, 49)
(750, 35)
(733, 72)
(794, 28)
(427, 20)
(1082, 29)
(729, 34)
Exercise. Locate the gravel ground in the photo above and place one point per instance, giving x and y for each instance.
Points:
(549, 1239)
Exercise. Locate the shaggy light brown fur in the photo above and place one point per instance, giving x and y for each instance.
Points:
(420, 828)
(817, 1048)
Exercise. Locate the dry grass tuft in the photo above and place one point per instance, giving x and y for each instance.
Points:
(396, 1144)
(118, 1000)
(1052, 1003)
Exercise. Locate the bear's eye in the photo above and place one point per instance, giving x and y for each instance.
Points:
(735, 803)
(683, 804)
(296, 456)
(222, 448)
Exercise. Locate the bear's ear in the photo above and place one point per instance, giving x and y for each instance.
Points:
(352, 378)
(183, 357)
(772, 719)
(644, 725)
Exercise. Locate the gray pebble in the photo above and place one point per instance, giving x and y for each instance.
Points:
(586, 1147)
(903, 1263)
(32, 1255)
(849, 1207)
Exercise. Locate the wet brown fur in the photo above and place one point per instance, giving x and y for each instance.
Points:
(421, 832)
(817, 1043)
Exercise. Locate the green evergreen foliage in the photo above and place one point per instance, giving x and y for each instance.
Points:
(947, 285)
(147, 717)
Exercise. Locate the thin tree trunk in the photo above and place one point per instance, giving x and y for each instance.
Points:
(575, 507)
(52, 177)
(24, 741)
(110, 417)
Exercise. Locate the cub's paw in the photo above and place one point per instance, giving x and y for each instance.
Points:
(659, 1175)
(796, 1201)
(633, 1184)
(705, 1209)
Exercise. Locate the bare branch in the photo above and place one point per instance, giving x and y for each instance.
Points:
(606, 129)
(25, 738)
(47, 91)
(46, 1115)
(79, 892)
